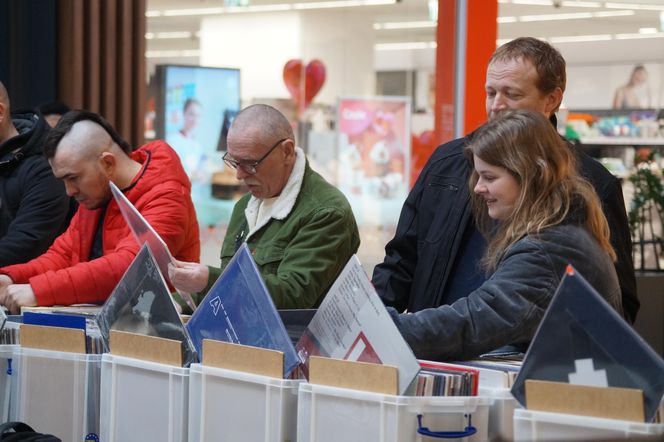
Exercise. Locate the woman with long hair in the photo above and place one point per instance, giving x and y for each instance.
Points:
(538, 215)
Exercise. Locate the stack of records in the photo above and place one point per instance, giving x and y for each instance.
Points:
(441, 379)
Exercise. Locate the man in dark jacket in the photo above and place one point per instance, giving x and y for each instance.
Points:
(34, 208)
(432, 259)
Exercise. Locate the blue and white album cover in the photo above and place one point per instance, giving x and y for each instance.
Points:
(582, 340)
(239, 309)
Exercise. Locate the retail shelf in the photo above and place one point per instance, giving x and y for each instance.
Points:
(622, 141)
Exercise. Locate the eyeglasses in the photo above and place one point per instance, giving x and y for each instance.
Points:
(250, 167)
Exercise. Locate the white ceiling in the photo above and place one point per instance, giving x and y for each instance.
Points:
(614, 29)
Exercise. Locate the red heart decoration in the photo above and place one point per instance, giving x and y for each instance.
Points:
(314, 75)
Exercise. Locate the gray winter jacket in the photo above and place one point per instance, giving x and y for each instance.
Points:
(507, 308)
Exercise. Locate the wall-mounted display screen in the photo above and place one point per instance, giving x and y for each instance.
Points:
(195, 108)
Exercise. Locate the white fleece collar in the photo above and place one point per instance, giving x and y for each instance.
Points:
(284, 203)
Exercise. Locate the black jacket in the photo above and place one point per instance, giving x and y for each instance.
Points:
(34, 208)
(419, 258)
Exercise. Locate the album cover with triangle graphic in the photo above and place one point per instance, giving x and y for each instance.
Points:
(582, 340)
(239, 309)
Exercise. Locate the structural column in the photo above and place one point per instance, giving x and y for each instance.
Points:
(466, 37)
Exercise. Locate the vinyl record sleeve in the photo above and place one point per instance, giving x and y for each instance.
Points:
(239, 309)
(580, 325)
(141, 303)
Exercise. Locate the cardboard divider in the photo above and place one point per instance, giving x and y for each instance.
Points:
(363, 376)
(605, 402)
(146, 348)
(43, 337)
(244, 358)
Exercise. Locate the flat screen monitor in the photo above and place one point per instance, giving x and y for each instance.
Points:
(194, 108)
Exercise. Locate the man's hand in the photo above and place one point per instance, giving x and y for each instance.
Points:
(189, 277)
(17, 296)
(5, 281)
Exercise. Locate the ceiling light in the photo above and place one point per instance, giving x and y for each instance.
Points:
(404, 25)
(638, 36)
(565, 16)
(603, 14)
(268, 8)
(405, 46)
(176, 34)
(548, 17)
(533, 2)
(647, 30)
(259, 8)
(580, 38)
(506, 19)
(642, 6)
(173, 54)
(196, 11)
(341, 4)
(581, 4)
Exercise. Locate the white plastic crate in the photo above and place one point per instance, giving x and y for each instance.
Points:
(143, 401)
(543, 426)
(9, 363)
(501, 412)
(227, 405)
(58, 393)
(338, 414)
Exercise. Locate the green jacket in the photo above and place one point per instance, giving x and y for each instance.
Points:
(300, 256)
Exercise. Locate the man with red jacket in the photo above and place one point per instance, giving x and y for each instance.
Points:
(86, 262)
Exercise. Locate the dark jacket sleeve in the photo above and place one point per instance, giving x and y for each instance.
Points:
(42, 214)
(613, 205)
(506, 309)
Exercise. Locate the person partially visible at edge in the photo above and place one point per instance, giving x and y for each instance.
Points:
(184, 141)
(538, 215)
(34, 207)
(299, 228)
(53, 111)
(86, 262)
(636, 93)
(432, 259)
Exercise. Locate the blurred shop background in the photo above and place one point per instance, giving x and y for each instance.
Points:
(367, 120)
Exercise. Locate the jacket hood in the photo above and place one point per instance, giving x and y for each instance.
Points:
(32, 130)
(161, 164)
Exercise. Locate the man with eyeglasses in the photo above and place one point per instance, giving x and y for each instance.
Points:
(299, 228)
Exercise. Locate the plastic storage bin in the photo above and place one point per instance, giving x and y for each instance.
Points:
(58, 393)
(143, 401)
(543, 426)
(501, 412)
(226, 405)
(338, 414)
(9, 362)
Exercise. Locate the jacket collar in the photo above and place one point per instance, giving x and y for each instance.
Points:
(285, 201)
(26, 143)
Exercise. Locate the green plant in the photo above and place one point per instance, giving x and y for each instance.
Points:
(646, 215)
